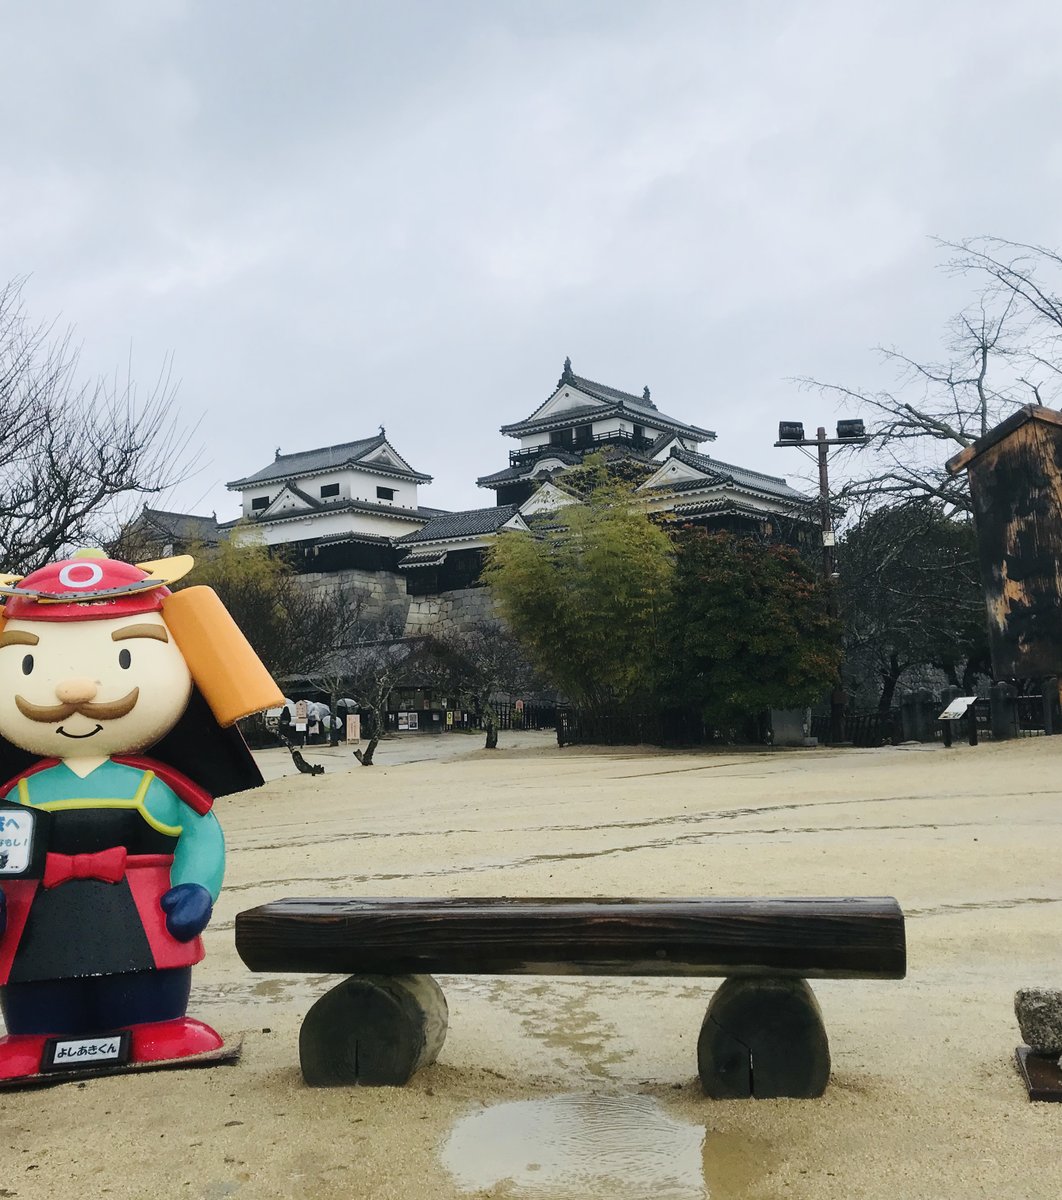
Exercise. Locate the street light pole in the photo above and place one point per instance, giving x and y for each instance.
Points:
(824, 506)
(849, 433)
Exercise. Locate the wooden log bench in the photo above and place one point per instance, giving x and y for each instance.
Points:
(762, 1034)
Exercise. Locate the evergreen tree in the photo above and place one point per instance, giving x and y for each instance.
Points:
(585, 595)
(748, 629)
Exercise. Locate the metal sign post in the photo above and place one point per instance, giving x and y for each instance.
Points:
(955, 711)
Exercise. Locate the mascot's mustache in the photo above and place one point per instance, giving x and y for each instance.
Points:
(51, 714)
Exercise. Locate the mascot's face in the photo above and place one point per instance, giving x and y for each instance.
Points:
(88, 689)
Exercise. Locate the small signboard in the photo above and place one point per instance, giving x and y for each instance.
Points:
(353, 727)
(22, 840)
(957, 708)
(449, 720)
(302, 711)
(403, 721)
(414, 720)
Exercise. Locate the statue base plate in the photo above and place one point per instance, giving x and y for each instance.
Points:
(226, 1055)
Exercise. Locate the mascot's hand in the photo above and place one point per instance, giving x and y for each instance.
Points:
(187, 907)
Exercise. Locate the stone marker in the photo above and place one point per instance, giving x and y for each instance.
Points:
(1039, 1013)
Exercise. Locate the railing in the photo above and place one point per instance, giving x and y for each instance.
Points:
(527, 453)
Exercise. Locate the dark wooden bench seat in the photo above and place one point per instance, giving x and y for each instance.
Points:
(762, 1034)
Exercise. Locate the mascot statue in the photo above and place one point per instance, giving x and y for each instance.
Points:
(118, 703)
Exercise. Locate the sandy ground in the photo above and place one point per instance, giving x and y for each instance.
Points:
(924, 1102)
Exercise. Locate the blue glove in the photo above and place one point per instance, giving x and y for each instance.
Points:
(187, 907)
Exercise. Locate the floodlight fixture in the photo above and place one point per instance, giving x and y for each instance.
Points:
(854, 430)
(790, 431)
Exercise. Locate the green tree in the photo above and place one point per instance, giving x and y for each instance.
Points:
(911, 598)
(586, 598)
(748, 629)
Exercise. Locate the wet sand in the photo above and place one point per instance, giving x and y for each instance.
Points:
(924, 1101)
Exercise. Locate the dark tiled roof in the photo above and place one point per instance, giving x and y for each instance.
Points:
(426, 558)
(613, 401)
(721, 472)
(660, 443)
(524, 469)
(179, 527)
(604, 392)
(565, 416)
(312, 501)
(469, 523)
(633, 409)
(365, 506)
(326, 458)
(337, 539)
(726, 506)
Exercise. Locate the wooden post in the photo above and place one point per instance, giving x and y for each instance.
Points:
(1052, 724)
(1004, 711)
(763, 1038)
(373, 1030)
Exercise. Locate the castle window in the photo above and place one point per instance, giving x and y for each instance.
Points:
(383, 493)
(329, 489)
(259, 502)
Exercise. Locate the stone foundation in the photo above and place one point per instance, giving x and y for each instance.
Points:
(385, 596)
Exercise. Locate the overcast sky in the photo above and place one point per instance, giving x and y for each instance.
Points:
(337, 214)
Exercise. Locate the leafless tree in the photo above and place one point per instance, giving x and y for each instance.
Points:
(479, 663)
(371, 670)
(1020, 274)
(72, 453)
(1002, 351)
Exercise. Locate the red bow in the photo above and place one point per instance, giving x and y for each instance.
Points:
(105, 865)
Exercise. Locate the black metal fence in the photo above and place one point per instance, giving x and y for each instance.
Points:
(998, 713)
(531, 715)
(666, 727)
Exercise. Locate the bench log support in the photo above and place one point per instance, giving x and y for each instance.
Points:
(763, 1038)
(374, 1030)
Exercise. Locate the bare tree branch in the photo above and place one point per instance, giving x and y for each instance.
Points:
(74, 457)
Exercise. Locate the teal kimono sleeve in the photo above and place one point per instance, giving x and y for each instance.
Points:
(199, 856)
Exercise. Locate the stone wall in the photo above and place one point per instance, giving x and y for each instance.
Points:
(385, 593)
(449, 612)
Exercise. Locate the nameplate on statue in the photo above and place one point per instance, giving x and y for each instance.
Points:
(82, 1053)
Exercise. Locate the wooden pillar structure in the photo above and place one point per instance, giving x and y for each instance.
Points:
(1016, 486)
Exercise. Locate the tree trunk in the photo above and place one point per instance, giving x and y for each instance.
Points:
(492, 734)
(365, 756)
(333, 732)
(889, 680)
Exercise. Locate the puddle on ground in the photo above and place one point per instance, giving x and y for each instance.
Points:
(579, 1147)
